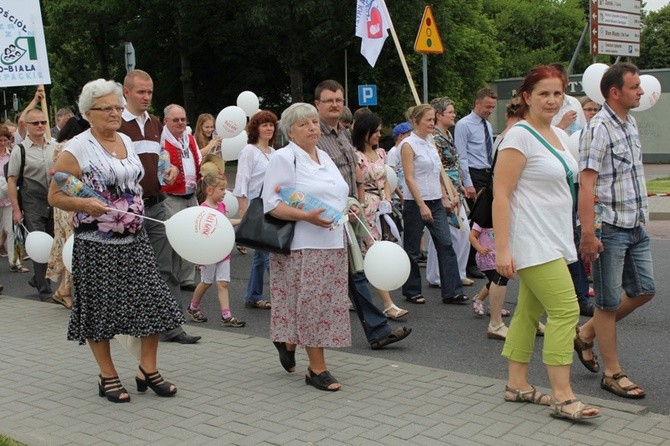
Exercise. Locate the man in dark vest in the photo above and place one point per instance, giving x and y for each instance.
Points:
(145, 131)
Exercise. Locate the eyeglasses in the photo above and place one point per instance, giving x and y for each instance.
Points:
(591, 109)
(332, 101)
(108, 109)
(179, 120)
(37, 122)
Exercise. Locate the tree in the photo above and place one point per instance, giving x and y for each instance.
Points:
(203, 54)
(655, 39)
(83, 43)
(470, 60)
(532, 32)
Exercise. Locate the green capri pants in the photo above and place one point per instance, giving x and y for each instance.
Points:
(547, 287)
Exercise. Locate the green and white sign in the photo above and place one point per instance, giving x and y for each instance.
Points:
(23, 51)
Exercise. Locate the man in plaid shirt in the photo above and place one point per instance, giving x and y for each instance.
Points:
(610, 160)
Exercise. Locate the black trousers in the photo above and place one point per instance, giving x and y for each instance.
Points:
(480, 178)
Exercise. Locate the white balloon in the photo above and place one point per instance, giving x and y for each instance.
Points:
(230, 122)
(386, 265)
(391, 177)
(38, 246)
(248, 101)
(68, 247)
(231, 147)
(200, 235)
(652, 92)
(573, 144)
(591, 82)
(232, 205)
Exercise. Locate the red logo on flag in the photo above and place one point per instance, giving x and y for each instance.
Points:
(374, 25)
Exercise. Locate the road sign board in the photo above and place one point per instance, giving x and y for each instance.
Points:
(620, 34)
(367, 95)
(615, 27)
(428, 38)
(631, 6)
(619, 48)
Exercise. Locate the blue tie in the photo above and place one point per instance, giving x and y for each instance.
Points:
(489, 142)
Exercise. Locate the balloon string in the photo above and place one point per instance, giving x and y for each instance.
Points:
(365, 226)
(24, 227)
(136, 215)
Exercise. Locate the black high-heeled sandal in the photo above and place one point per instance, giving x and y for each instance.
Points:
(112, 389)
(156, 382)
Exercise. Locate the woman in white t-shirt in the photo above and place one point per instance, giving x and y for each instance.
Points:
(532, 215)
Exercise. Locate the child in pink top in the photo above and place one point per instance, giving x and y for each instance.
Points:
(211, 190)
(482, 240)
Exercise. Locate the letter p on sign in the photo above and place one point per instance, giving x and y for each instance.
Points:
(367, 95)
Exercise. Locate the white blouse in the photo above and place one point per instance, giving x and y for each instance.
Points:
(321, 180)
(427, 166)
(251, 167)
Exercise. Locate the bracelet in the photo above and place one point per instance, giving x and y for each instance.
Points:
(359, 183)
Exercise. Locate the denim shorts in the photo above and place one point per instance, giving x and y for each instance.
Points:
(625, 264)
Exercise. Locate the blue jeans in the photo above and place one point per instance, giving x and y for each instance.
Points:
(578, 272)
(450, 281)
(624, 264)
(259, 264)
(374, 322)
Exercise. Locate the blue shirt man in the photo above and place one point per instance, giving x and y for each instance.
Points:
(473, 137)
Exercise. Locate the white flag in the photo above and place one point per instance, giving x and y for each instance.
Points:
(372, 24)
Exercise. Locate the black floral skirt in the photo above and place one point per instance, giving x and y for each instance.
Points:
(118, 290)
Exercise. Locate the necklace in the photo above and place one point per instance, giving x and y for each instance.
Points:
(372, 156)
(111, 150)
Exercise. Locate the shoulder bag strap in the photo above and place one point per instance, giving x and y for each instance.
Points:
(568, 172)
(260, 194)
(22, 166)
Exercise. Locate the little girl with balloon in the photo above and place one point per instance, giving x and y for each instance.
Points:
(211, 190)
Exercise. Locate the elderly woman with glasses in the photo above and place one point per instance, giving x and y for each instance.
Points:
(308, 286)
(117, 286)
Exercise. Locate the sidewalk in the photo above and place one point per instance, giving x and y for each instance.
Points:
(233, 391)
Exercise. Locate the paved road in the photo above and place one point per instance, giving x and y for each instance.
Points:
(450, 338)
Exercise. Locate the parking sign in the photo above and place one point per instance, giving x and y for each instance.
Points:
(367, 95)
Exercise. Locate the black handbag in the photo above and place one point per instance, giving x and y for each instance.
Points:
(259, 230)
(482, 210)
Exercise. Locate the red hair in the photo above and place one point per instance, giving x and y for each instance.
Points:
(255, 122)
(535, 75)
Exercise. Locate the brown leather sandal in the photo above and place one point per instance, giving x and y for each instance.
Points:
(611, 384)
(591, 364)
